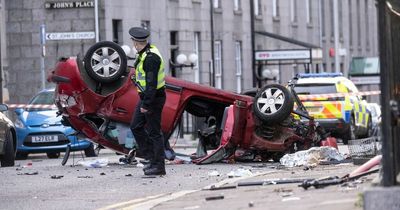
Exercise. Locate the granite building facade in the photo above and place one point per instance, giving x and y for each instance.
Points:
(223, 28)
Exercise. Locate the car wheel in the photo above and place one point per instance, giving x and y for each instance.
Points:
(273, 103)
(351, 133)
(105, 62)
(90, 151)
(53, 155)
(9, 152)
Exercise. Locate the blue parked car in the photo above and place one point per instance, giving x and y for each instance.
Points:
(39, 130)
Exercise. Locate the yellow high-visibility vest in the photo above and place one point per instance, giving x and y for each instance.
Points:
(141, 74)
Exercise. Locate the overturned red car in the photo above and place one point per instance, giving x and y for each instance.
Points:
(97, 98)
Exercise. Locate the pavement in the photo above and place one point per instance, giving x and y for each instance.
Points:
(345, 196)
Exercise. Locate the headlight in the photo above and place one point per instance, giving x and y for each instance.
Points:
(19, 124)
(66, 100)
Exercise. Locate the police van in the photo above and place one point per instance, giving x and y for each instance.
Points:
(334, 102)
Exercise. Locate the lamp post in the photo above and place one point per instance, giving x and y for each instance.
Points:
(181, 62)
(268, 74)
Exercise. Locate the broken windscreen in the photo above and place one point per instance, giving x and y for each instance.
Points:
(310, 89)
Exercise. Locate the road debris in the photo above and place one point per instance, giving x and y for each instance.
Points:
(97, 163)
(251, 204)
(56, 176)
(85, 177)
(214, 173)
(29, 173)
(334, 181)
(311, 157)
(215, 197)
(240, 172)
(291, 199)
(271, 182)
(213, 187)
(191, 207)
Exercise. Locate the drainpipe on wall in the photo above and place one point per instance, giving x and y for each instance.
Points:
(96, 19)
(1, 48)
(253, 69)
(212, 66)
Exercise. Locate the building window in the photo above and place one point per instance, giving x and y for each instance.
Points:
(293, 10)
(257, 7)
(275, 8)
(218, 63)
(309, 11)
(217, 4)
(117, 31)
(196, 50)
(332, 15)
(323, 19)
(238, 62)
(367, 23)
(350, 23)
(174, 49)
(358, 24)
(340, 17)
(237, 5)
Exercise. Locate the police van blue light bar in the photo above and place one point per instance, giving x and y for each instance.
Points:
(309, 75)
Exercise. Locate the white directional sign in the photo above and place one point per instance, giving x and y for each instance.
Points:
(282, 55)
(70, 35)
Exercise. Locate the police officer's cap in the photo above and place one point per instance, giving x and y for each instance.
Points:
(139, 34)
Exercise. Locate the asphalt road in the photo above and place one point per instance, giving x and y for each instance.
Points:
(41, 183)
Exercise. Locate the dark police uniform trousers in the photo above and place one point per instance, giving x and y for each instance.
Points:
(146, 128)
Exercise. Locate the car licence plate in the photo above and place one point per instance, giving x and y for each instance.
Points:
(48, 138)
(313, 109)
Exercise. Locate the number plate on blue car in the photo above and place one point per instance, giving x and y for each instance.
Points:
(47, 138)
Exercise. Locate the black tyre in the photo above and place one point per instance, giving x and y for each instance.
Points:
(53, 155)
(9, 152)
(273, 104)
(90, 151)
(21, 155)
(351, 133)
(105, 62)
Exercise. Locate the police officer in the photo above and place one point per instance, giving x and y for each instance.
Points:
(150, 82)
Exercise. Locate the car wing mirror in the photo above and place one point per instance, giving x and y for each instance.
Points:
(3, 107)
(19, 111)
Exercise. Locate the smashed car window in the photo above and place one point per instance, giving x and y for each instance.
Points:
(309, 89)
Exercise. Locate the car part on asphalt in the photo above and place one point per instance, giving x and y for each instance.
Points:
(335, 181)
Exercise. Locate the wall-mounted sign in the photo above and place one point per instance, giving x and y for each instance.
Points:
(68, 4)
(70, 35)
(282, 55)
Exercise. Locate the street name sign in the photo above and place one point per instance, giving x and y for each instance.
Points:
(69, 4)
(70, 35)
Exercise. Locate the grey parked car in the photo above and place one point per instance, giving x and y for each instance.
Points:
(7, 139)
